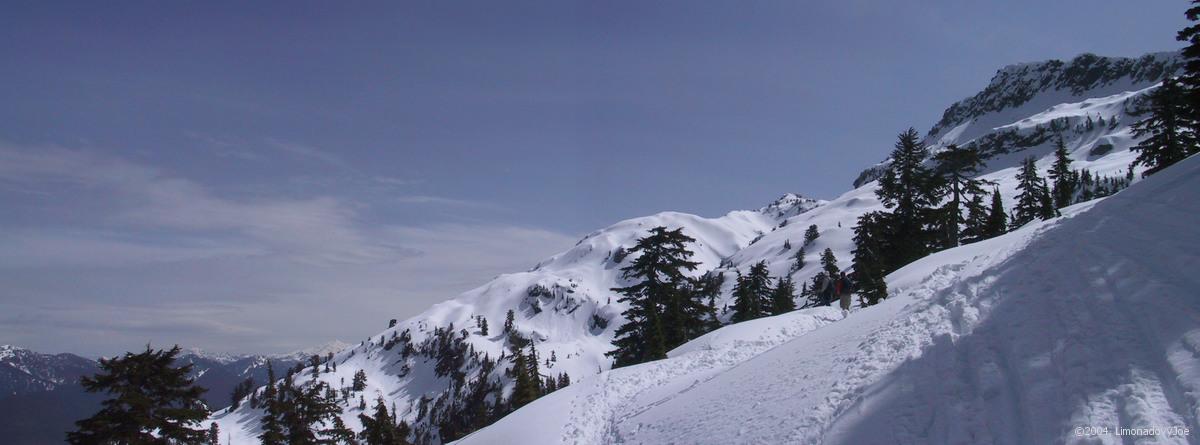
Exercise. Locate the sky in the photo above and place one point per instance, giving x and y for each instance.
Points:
(267, 176)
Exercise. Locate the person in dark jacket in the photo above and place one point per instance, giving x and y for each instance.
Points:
(843, 289)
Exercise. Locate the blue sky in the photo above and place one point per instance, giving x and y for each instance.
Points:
(267, 176)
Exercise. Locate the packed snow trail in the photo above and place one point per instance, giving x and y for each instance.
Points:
(1064, 331)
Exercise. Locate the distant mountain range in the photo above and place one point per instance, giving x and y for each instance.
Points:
(40, 395)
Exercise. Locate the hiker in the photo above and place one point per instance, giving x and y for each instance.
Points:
(843, 289)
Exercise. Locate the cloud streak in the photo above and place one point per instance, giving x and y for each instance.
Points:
(168, 258)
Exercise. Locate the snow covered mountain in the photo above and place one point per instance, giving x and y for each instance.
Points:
(1086, 320)
(565, 304)
(23, 371)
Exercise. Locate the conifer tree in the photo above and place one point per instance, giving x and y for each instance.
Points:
(272, 428)
(661, 312)
(380, 428)
(829, 264)
(360, 381)
(508, 322)
(752, 294)
(152, 401)
(783, 297)
(1170, 136)
(910, 190)
(1190, 80)
(997, 221)
(483, 326)
(526, 386)
(976, 222)
(798, 259)
(1033, 199)
(957, 167)
(811, 234)
(1061, 176)
(870, 266)
(214, 434)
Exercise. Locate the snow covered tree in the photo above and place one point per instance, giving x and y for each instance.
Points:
(752, 294)
(1169, 134)
(811, 234)
(910, 191)
(957, 167)
(1061, 176)
(152, 402)
(483, 326)
(661, 312)
(1033, 201)
(783, 296)
(870, 266)
(214, 434)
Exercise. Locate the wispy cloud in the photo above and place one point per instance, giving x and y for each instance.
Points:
(309, 152)
(295, 270)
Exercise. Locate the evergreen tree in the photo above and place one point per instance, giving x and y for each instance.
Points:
(957, 167)
(752, 294)
(272, 428)
(508, 322)
(360, 381)
(811, 234)
(1169, 135)
(152, 402)
(997, 221)
(798, 259)
(240, 391)
(871, 236)
(526, 384)
(783, 297)
(483, 326)
(214, 434)
(1061, 176)
(1190, 79)
(381, 428)
(1033, 201)
(910, 190)
(829, 264)
(977, 218)
(661, 314)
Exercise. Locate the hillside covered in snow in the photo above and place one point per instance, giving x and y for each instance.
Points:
(824, 364)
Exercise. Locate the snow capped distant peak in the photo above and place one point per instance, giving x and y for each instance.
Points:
(321, 350)
(790, 204)
(219, 357)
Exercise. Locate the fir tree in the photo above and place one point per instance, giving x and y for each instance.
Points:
(783, 297)
(829, 264)
(661, 314)
(997, 221)
(798, 259)
(272, 428)
(526, 386)
(1190, 79)
(977, 218)
(910, 190)
(957, 167)
(360, 381)
(870, 266)
(752, 294)
(1061, 176)
(214, 434)
(1033, 201)
(483, 326)
(152, 402)
(1169, 135)
(380, 428)
(811, 234)
(508, 322)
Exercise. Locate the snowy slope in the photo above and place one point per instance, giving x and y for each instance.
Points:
(1085, 320)
(565, 303)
